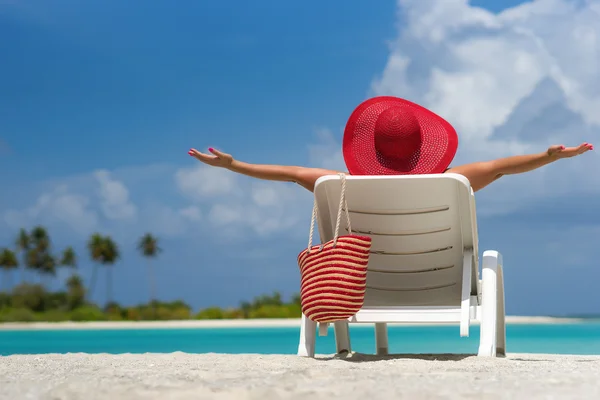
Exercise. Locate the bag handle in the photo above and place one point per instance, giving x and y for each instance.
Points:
(343, 205)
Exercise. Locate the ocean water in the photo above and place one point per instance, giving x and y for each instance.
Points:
(580, 338)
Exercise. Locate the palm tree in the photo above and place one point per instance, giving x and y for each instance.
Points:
(8, 262)
(75, 291)
(69, 258)
(40, 239)
(110, 254)
(94, 245)
(23, 243)
(148, 245)
(47, 266)
(39, 257)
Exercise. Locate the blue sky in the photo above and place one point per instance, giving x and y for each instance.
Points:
(100, 101)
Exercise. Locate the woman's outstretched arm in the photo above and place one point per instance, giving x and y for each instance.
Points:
(306, 177)
(481, 174)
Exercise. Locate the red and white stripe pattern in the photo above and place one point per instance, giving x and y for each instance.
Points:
(334, 278)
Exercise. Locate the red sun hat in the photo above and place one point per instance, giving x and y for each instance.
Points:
(391, 136)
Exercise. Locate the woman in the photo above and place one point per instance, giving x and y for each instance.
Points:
(388, 135)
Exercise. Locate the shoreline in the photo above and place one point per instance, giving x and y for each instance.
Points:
(240, 323)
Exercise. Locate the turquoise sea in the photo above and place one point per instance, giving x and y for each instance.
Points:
(580, 338)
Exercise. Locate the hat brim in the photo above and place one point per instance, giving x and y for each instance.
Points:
(438, 146)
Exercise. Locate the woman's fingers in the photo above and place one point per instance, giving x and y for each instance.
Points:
(216, 152)
(582, 148)
(205, 158)
(585, 147)
(575, 151)
(217, 158)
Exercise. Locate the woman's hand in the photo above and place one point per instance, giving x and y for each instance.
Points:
(560, 151)
(219, 159)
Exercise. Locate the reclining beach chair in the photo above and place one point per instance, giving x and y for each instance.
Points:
(424, 264)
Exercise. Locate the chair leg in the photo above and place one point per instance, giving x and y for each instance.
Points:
(323, 328)
(381, 338)
(342, 337)
(308, 328)
(492, 260)
(500, 315)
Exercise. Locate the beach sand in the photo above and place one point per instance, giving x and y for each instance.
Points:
(247, 376)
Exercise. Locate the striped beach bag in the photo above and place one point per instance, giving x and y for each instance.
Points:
(334, 274)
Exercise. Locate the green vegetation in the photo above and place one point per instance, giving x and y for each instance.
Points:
(31, 301)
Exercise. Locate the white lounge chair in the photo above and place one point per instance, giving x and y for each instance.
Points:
(424, 264)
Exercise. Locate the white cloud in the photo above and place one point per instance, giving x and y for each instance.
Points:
(192, 213)
(475, 67)
(114, 197)
(221, 214)
(238, 206)
(58, 206)
(277, 207)
(201, 182)
(433, 20)
(510, 83)
(266, 208)
(166, 221)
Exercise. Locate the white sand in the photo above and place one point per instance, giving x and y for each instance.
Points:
(239, 377)
(234, 323)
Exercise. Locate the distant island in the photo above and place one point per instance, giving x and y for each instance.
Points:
(32, 303)
(34, 257)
